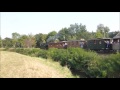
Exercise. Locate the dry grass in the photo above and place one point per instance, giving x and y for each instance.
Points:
(14, 65)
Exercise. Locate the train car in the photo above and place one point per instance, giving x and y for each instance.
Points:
(58, 45)
(116, 43)
(99, 44)
(76, 43)
(66, 44)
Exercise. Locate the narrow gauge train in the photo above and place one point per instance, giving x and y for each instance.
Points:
(99, 44)
(92, 44)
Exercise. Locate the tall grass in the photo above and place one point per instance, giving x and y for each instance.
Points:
(14, 65)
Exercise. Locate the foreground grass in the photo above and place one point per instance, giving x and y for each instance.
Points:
(14, 65)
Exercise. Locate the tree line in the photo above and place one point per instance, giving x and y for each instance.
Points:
(73, 32)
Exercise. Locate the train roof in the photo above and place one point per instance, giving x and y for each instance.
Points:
(75, 40)
(100, 38)
(117, 36)
(66, 41)
(54, 42)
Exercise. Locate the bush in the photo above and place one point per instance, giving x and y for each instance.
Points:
(32, 51)
(111, 65)
(75, 58)
(42, 53)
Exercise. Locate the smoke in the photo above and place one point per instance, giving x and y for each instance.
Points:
(53, 38)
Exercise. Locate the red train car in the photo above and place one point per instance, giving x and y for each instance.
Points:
(56, 45)
(65, 44)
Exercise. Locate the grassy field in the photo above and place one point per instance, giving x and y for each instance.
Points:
(14, 65)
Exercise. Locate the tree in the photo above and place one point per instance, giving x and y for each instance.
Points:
(82, 32)
(40, 38)
(75, 31)
(91, 35)
(78, 31)
(52, 33)
(15, 37)
(106, 30)
(72, 29)
(51, 36)
(63, 34)
(112, 34)
(21, 40)
(98, 34)
(7, 42)
(29, 41)
(102, 30)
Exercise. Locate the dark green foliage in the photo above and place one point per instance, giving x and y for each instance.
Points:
(42, 53)
(40, 39)
(112, 34)
(89, 62)
(7, 43)
(111, 65)
(75, 58)
(105, 67)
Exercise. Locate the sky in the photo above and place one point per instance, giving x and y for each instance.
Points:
(45, 22)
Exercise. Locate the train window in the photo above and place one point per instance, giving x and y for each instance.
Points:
(69, 43)
(94, 41)
(111, 41)
(99, 42)
(118, 41)
(72, 43)
(115, 41)
(76, 42)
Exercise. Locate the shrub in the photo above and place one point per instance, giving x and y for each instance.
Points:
(42, 53)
